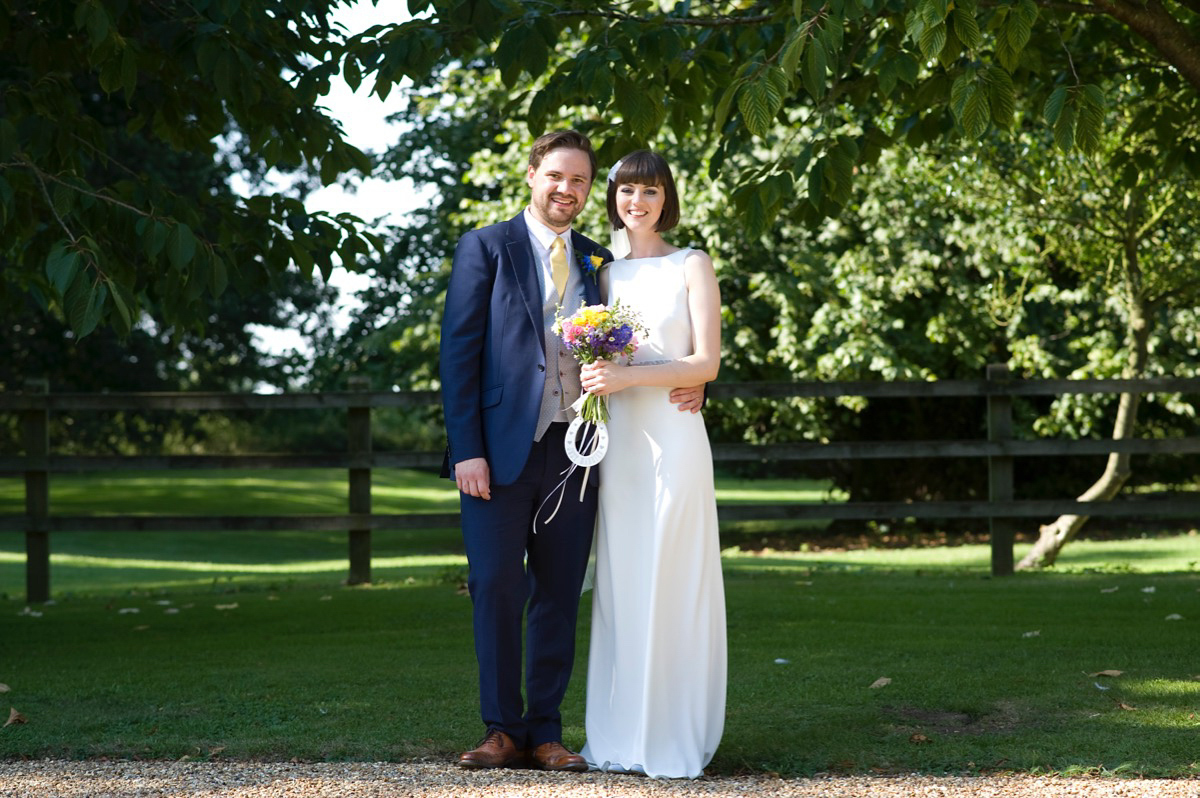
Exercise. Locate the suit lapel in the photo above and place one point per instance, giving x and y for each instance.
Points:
(520, 257)
(584, 249)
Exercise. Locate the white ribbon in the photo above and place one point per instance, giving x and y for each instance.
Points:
(595, 447)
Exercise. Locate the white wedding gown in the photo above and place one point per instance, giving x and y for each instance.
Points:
(657, 662)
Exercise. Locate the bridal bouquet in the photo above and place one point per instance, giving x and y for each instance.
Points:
(600, 332)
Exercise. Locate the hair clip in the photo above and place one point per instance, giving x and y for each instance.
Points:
(612, 173)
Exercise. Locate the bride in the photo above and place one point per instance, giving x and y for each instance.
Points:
(657, 663)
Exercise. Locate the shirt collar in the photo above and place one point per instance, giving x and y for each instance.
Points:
(543, 234)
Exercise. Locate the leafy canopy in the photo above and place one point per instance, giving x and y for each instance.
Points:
(88, 227)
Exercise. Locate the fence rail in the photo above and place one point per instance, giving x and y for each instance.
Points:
(38, 463)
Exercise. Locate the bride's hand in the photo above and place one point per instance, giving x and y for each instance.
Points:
(603, 377)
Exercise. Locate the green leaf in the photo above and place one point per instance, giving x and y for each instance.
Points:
(128, 73)
(1054, 105)
(950, 50)
(1090, 125)
(1019, 27)
(98, 25)
(976, 114)
(219, 277)
(1064, 129)
(110, 76)
(352, 73)
(758, 104)
(967, 28)
(816, 183)
(154, 239)
(124, 312)
(303, 259)
(963, 86)
(1001, 96)
(95, 309)
(181, 246)
(62, 265)
(933, 40)
(637, 108)
(64, 199)
(722, 112)
(793, 48)
(77, 301)
(814, 70)
(887, 75)
(507, 55)
(832, 33)
(8, 139)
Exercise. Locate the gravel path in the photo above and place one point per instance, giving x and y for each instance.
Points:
(56, 779)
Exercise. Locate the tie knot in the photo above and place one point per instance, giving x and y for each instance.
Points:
(558, 245)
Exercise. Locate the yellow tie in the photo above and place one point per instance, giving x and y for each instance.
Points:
(558, 265)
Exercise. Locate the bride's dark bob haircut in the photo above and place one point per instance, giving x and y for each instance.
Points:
(649, 169)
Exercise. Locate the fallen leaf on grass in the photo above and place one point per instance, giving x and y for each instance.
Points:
(326, 598)
(882, 681)
(128, 611)
(1034, 633)
(919, 738)
(782, 661)
(1123, 705)
(1106, 673)
(171, 611)
(1109, 589)
(30, 613)
(232, 606)
(1150, 589)
(141, 627)
(4, 688)
(1100, 686)
(1174, 617)
(15, 717)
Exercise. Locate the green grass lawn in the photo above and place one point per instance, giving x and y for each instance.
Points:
(244, 646)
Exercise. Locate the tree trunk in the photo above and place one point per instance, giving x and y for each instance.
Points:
(1054, 536)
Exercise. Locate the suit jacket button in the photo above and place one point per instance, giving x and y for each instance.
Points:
(541, 368)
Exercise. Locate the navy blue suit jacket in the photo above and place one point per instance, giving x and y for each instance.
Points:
(493, 360)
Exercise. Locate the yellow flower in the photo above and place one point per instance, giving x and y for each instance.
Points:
(597, 261)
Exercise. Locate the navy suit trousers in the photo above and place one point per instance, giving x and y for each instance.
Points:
(512, 567)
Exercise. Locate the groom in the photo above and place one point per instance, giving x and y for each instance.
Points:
(507, 387)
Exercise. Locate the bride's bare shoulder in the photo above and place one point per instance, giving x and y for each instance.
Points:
(697, 259)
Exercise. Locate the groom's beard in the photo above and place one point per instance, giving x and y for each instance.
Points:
(557, 214)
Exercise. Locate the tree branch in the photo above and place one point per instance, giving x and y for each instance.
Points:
(1167, 35)
(699, 22)
(43, 176)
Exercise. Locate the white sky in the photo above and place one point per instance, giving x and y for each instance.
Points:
(363, 117)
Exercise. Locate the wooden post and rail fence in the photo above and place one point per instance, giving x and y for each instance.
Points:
(38, 462)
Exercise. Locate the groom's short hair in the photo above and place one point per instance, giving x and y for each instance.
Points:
(561, 139)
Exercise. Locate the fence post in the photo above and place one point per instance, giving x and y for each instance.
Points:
(1000, 471)
(35, 432)
(358, 433)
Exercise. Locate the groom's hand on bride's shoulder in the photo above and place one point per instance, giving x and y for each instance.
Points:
(474, 478)
(688, 399)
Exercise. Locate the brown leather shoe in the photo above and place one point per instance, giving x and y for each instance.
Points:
(553, 756)
(496, 750)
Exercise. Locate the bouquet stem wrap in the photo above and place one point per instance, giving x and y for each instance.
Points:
(594, 332)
